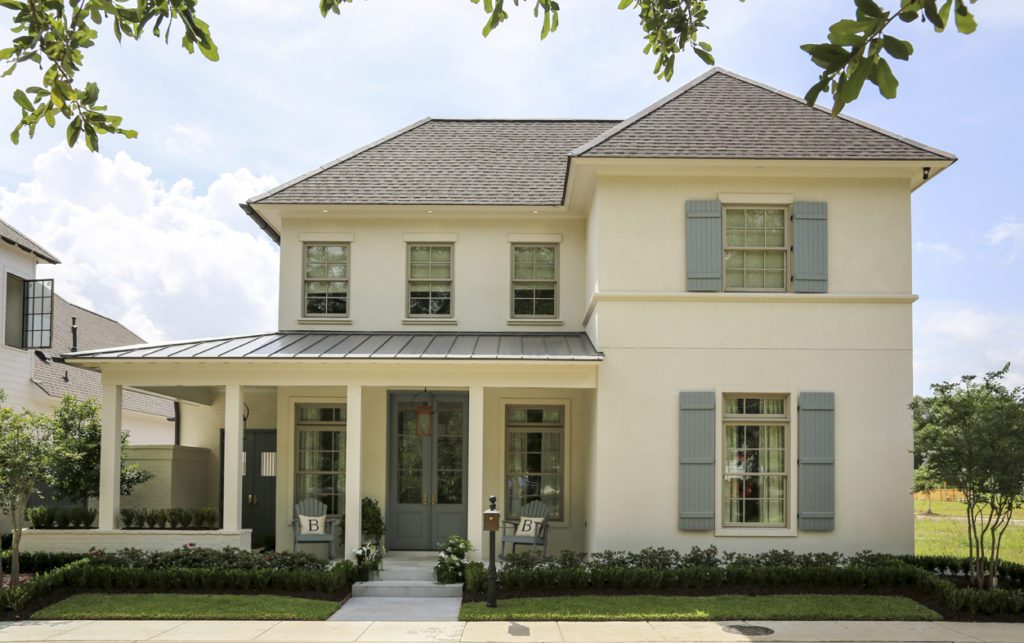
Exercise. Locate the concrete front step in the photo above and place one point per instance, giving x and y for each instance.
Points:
(406, 574)
(406, 589)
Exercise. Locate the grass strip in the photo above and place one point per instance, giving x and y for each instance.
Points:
(254, 607)
(779, 607)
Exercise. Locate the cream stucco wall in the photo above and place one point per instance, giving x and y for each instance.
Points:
(482, 261)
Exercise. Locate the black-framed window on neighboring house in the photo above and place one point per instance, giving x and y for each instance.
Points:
(29, 313)
(535, 458)
(534, 281)
(325, 279)
(320, 465)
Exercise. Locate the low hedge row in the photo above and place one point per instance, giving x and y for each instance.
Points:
(38, 562)
(191, 569)
(657, 570)
(61, 517)
(176, 518)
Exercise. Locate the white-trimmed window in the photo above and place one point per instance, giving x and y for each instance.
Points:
(755, 248)
(755, 486)
(320, 466)
(325, 279)
(534, 280)
(430, 279)
(535, 458)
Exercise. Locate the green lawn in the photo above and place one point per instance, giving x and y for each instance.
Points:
(941, 508)
(797, 607)
(258, 607)
(948, 537)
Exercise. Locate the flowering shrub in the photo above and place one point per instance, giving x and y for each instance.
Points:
(368, 557)
(451, 562)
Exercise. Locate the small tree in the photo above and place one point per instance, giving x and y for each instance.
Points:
(78, 431)
(926, 482)
(27, 454)
(971, 434)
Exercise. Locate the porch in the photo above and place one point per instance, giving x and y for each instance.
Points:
(280, 429)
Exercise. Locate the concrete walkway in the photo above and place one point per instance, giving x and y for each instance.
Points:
(498, 631)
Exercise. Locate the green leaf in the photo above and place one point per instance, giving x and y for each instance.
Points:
(546, 27)
(16, 134)
(943, 16)
(884, 78)
(899, 49)
(870, 8)
(815, 91)
(704, 45)
(965, 22)
(625, 4)
(704, 55)
(74, 129)
(128, 133)
(22, 100)
(850, 86)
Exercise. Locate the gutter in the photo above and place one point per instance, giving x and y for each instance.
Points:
(261, 222)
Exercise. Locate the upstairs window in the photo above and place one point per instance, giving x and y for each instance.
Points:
(755, 249)
(430, 280)
(534, 281)
(29, 313)
(325, 283)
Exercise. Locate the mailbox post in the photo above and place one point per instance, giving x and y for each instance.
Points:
(491, 525)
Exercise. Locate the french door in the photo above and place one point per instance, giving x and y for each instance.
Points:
(426, 469)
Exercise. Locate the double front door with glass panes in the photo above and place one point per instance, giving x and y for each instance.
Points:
(426, 469)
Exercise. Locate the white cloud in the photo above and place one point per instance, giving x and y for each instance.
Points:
(953, 339)
(940, 250)
(186, 140)
(1009, 232)
(169, 262)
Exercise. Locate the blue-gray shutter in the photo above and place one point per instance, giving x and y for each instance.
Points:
(696, 460)
(817, 493)
(810, 246)
(703, 246)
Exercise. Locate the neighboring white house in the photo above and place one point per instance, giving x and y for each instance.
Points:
(690, 327)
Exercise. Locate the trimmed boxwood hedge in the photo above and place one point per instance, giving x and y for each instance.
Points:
(667, 570)
(190, 569)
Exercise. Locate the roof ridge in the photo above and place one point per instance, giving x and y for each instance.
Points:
(340, 159)
(38, 251)
(650, 109)
(541, 119)
(849, 119)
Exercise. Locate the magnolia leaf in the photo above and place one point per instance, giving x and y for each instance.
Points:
(22, 100)
(899, 49)
(884, 78)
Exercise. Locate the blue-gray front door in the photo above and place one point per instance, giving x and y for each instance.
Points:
(426, 470)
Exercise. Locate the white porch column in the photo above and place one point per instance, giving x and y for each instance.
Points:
(353, 470)
(232, 457)
(476, 499)
(110, 457)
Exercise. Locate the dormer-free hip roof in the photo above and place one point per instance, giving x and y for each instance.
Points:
(719, 115)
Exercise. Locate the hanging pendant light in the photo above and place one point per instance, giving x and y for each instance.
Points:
(424, 402)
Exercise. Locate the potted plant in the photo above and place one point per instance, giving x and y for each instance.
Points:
(368, 559)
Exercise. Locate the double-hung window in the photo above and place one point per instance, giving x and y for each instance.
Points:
(755, 484)
(535, 458)
(430, 280)
(534, 281)
(320, 470)
(325, 284)
(755, 249)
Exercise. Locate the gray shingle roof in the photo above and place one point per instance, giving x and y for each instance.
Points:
(723, 115)
(525, 162)
(450, 162)
(14, 237)
(365, 345)
(94, 332)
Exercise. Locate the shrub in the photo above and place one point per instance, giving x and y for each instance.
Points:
(62, 517)
(372, 519)
(452, 560)
(203, 557)
(40, 517)
(476, 577)
(177, 518)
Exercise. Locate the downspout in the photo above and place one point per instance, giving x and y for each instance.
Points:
(177, 423)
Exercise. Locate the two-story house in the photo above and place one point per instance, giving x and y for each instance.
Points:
(689, 327)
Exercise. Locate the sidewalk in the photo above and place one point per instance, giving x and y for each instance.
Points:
(499, 631)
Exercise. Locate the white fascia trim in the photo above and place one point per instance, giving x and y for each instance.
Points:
(737, 198)
(421, 237)
(326, 236)
(535, 238)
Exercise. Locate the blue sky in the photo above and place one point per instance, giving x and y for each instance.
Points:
(149, 231)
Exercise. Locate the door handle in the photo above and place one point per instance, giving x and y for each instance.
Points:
(424, 498)
(433, 499)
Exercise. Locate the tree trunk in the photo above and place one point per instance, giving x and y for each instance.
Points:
(17, 524)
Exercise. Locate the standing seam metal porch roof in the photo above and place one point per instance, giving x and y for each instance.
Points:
(574, 347)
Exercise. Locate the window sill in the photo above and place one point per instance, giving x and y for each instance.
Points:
(757, 532)
(331, 321)
(429, 321)
(534, 322)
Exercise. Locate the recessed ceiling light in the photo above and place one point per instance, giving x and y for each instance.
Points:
(430, 212)
(324, 211)
(535, 212)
